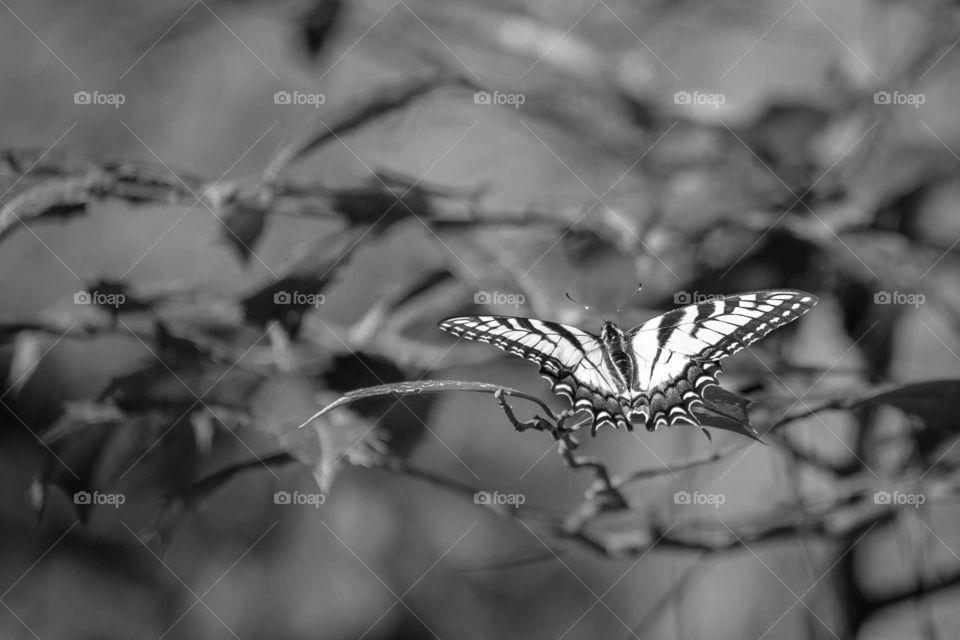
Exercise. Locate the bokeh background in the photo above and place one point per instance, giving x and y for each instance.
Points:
(219, 216)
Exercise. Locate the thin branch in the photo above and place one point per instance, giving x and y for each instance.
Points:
(380, 102)
(690, 463)
(513, 563)
(606, 497)
(451, 484)
(920, 589)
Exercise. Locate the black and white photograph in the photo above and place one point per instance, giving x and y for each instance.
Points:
(452, 320)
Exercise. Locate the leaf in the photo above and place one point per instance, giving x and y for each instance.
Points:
(204, 429)
(178, 370)
(873, 327)
(242, 214)
(242, 228)
(383, 432)
(935, 402)
(346, 437)
(29, 348)
(318, 23)
(142, 182)
(381, 101)
(932, 400)
(103, 445)
(497, 260)
(58, 196)
(285, 299)
(403, 302)
(728, 411)
(181, 504)
(79, 415)
(116, 297)
(382, 203)
(419, 388)
(74, 467)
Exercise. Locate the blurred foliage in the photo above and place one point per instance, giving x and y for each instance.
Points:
(184, 393)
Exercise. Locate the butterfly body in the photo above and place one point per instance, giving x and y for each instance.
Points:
(617, 357)
(657, 371)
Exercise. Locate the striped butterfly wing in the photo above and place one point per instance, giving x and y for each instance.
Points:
(678, 353)
(569, 358)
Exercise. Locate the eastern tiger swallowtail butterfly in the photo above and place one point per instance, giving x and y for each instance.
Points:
(657, 371)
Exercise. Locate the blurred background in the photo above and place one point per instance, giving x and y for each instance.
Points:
(219, 216)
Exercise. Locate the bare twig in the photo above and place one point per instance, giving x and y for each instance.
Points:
(382, 101)
(690, 463)
(605, 497)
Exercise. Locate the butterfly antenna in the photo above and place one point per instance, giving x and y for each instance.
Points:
(586, 307)
(630, 297)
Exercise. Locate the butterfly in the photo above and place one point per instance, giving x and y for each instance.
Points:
(657, 371)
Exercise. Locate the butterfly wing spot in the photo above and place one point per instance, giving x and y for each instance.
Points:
(604, 409)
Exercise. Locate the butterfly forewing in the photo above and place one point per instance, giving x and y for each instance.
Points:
(569, 358)
(719, 328)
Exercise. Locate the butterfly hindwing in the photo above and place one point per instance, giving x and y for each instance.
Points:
(569, 358)
(672, 400)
